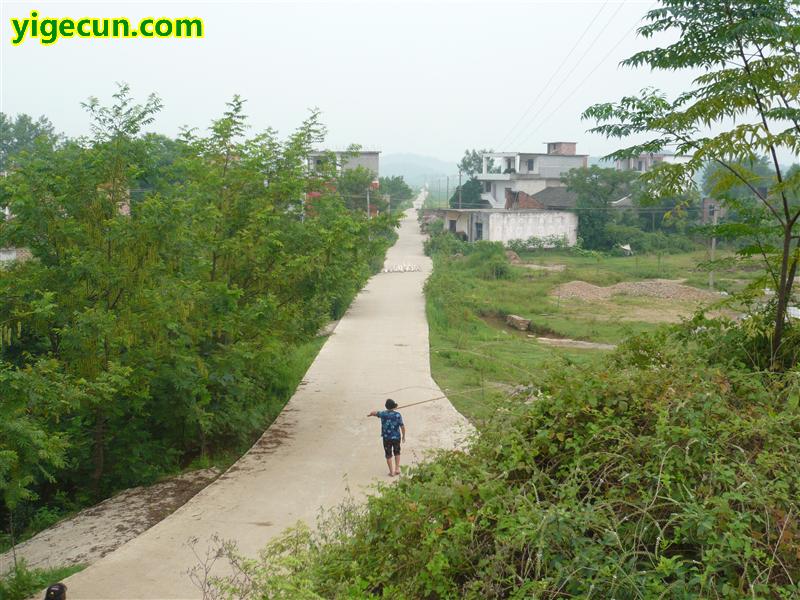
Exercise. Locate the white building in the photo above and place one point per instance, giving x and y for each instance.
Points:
(647, 160)
(528, 172)
(499, 225)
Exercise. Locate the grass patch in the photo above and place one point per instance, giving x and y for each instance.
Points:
(22, 582)
(475, 357)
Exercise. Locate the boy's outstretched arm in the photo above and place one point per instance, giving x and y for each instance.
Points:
(403, 431)
(374, 413)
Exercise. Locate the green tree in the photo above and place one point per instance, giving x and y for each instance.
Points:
(596, 188)
(748, 92)
(147, 331)
(471, 163)
(470, 195)
(21, 134)
(353, 185)
(397, 189)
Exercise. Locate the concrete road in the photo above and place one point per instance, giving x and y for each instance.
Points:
(319, 446)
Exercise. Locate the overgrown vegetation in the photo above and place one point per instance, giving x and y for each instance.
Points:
(171, 302)
(665, 470)
(22, 582)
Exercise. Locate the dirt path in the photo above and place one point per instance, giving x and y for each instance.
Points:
(319, 447)
(94, 532)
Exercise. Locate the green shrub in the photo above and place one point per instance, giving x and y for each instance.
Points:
(444, 243)
(21, 582)
(645, 242)
(556, 242)
(656, 476)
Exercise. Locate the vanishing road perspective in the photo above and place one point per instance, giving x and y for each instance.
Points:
(320, 448)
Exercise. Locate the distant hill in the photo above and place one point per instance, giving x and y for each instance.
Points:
(416, 169)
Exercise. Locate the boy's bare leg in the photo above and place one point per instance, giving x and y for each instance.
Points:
(397, 464)
(389, 463)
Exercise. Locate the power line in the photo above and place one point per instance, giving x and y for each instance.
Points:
(589, 74)
(553, 76)
(574, 68)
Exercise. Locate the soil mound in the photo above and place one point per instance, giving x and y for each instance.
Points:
(668, 289)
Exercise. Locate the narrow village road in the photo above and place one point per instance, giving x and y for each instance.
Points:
(319, 447)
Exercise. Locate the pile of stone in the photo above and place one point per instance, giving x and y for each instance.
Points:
(518, 322)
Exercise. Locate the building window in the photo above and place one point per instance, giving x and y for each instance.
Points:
(640, 166)
(530, 165)
(452, 225)
(487, 187)
(478, 231)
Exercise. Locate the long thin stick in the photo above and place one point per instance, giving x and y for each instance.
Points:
(423, 401)
(461, 393)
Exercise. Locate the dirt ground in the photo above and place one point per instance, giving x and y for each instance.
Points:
(667, 289)
(514, 259)
(100, 529)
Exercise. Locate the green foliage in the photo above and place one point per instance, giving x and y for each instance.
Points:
(353, 185)
(151, 329)
(621, 481)
(596, 188)
(470, 195)
(23, 134)
(647, 242)
(538, 243)
(489, 261)
(399, 192)
(22, 583)
(748, 92)
(472, 163)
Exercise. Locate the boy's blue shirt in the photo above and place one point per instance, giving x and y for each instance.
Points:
(391, 422)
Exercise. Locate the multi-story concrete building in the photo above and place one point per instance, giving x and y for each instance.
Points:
(528, 172)
(647, 160)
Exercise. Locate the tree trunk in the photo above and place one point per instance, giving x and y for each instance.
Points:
(98, 452)
(783, 299)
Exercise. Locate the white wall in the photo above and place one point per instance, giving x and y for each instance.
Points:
(516, 225)
(530, 186)
(554, 165)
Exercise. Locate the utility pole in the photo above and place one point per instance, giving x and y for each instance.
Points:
(713, 210)
(368, 202)
(447, 193)
(459, 187)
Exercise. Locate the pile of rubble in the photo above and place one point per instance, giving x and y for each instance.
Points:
(667, 289)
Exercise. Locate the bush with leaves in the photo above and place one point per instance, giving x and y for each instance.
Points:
(659, 475)
(150, 329)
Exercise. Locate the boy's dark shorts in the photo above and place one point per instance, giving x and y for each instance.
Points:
(391, 445)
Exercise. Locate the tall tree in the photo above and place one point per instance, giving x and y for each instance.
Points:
(397, 189)
(748, 92)
(145, 333)
(472, 163)
(20, 134)
(596, 188)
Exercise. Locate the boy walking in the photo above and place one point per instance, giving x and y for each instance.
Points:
(391, 427)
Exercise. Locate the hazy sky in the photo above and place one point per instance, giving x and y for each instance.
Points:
(425, 77)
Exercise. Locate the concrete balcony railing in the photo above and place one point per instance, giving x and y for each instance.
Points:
(495, 176)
